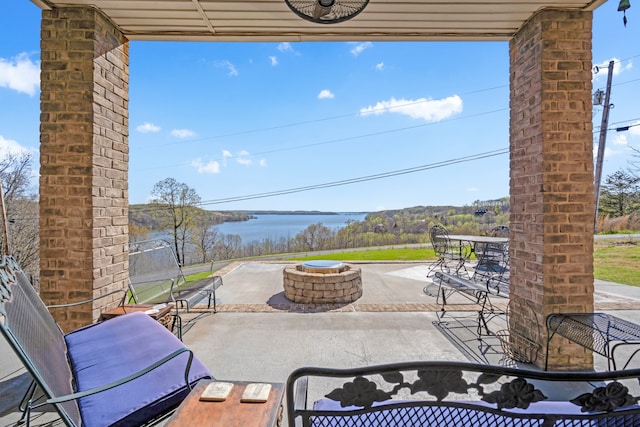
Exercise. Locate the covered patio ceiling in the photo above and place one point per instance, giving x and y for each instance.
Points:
(272, 20)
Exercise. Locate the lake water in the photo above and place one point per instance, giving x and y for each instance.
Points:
(276, 226)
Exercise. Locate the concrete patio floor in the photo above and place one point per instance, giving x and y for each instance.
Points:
(257, 335)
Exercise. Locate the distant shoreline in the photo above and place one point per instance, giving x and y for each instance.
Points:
(249, 212)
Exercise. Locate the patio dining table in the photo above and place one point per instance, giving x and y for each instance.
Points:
(468, 244)
(471, 241)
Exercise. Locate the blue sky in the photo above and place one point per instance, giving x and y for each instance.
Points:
(244, 119)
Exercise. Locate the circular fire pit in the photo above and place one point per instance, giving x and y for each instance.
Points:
(322, 282)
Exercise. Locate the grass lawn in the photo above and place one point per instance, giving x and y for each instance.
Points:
(418, 254)
(617, 262)
(614, 261)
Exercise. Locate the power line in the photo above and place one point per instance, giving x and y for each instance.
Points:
(294, 124)
(415, 169)
(350, 138)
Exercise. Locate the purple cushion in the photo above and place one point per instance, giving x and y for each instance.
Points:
(105, 352)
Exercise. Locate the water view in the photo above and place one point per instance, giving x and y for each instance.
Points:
(274, 227)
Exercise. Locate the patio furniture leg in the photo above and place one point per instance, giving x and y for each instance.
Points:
(177, 324)
(24, 402)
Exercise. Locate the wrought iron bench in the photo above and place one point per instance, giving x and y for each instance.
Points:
(490, 278)
(122, 372)
(460, 394)
(446, 284)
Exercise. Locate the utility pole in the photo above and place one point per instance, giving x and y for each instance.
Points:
(603, 138)
(5, 224)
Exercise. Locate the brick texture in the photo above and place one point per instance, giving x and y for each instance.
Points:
(84, 159)
(551, 172)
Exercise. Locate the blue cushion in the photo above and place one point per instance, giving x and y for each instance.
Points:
(105, 352)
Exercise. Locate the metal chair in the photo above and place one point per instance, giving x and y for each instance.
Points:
(447, 254)
(519, 340)
(493, 262)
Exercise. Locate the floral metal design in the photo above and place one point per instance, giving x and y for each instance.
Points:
(515, 394)
(359, 392)
(440, 383)
(364, 393)
(605, 399)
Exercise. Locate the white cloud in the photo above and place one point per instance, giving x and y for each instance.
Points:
(360, 47)
(285, 47)
(620, 139)
(226, 154)
(183, 133)
(326, 94)
(603, 68)
(210, 167)
(242, 158)
(273, 60)
(380, 66)
(20, 74)
(608, 152)
(429, 110)
(472, 189)
(231, 69)
(10, 146)
(148, 128)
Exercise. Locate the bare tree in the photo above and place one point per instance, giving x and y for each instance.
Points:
(634, 165)
(204, 237)
(314, 237)
(180, 202)
(228, 247)
(138, 233)
(21, 204)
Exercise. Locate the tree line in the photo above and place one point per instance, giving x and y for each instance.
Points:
(174, 209)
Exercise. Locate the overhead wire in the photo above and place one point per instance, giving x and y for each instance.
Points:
(350, 138)
(414, 169)
(306, 122)
(369, 177)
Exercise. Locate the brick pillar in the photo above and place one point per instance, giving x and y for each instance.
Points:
(84, 162)
(551, 189)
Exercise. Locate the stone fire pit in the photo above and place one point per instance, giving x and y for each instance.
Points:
(322, 282)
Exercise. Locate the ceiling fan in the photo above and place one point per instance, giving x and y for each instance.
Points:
(326, 11)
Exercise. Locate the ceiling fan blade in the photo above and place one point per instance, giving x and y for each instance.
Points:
(321, 11)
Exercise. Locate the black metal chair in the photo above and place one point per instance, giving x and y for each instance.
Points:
(447, 254)
(493, 261)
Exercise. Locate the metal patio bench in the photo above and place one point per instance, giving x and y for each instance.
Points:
(477, 292)
(420, 394)
(156, 277)
(127, 371)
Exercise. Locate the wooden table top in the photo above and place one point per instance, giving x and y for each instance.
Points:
(132, 308)
(231, 412)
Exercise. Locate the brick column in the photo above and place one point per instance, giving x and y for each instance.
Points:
(551, 189)
(84, 161)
